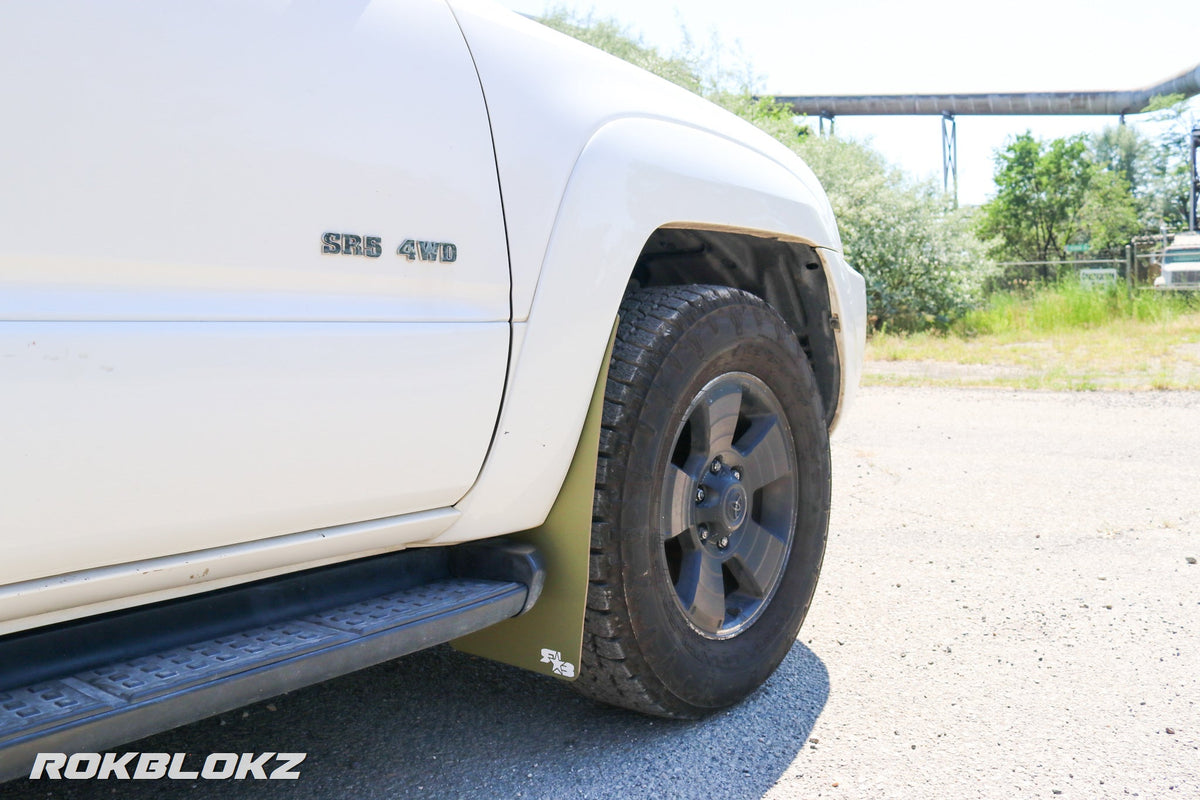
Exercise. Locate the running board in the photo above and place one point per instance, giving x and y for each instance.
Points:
(126, 699)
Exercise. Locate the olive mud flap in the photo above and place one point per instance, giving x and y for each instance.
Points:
(549, 637)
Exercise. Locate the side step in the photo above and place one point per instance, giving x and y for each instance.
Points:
(86, 710)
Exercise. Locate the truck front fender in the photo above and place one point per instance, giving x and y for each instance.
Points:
(634, 176)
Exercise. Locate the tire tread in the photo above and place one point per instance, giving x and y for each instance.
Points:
(615, 669)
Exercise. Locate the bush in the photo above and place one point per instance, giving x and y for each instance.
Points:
(923, 265)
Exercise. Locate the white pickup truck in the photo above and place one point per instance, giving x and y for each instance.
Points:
(332, 331)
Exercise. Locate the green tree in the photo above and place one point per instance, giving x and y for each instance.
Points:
(1168, 165)
(1123, 150)
(1155, 166)
(1041, 188)
(1108, 219)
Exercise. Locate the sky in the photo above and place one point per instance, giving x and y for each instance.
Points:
(930, 46)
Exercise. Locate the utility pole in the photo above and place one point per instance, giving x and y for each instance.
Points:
(1195, 142)
(1130, 266)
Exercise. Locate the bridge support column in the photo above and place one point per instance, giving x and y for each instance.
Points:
(950, 156)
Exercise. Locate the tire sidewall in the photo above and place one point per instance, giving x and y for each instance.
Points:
(704, 672)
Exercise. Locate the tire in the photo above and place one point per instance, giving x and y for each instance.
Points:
(711, 507)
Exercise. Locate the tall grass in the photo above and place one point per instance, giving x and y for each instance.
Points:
(1070, 306)
(1060, 336)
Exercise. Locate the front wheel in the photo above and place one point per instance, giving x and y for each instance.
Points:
(711, 505)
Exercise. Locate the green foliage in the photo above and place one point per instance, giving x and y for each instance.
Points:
(923, 265)
(1041, 187)
(1070, 306)
(1065, 191)
(1155, 167)
(1122, 150)
(1165, 102)
(1109, 216)
(776, 119)
(1168, 166)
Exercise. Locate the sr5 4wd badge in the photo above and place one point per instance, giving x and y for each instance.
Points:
(353, 244)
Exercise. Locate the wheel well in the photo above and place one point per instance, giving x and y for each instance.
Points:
(787, 275)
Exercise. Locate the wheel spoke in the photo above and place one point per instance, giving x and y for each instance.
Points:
(764, 450)
(756, 560)
(680, 499)
(701, 590)
(720, 420)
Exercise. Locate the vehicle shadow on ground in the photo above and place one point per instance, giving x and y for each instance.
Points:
(441, 724)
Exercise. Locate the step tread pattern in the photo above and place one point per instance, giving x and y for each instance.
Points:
(182, 666)
(378, 613)
(34, 706)
(102, 690)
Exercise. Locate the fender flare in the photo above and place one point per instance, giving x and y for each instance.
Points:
(634, 176)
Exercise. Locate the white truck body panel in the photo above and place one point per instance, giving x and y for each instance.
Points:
(191, 384)
(183, 367)
(172, 165)
(140, 440)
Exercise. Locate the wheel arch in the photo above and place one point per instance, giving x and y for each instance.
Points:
(789, 275)
(655, 201)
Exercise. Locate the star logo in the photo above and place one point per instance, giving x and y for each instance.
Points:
(555, 660)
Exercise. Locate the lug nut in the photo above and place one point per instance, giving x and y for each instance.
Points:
(715, 466)
(700, 494)
(723, 542)
(737, 474)
(703, 531)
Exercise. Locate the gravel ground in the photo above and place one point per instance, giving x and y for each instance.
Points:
(1006, 610)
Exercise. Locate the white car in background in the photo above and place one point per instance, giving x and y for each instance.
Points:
(303, 310)
(1181, 263)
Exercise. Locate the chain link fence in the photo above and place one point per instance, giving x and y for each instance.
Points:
(1019, 274)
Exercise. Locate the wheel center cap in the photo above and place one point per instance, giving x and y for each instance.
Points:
(733, 505)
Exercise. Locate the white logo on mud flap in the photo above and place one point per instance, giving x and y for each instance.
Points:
(560, 667)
